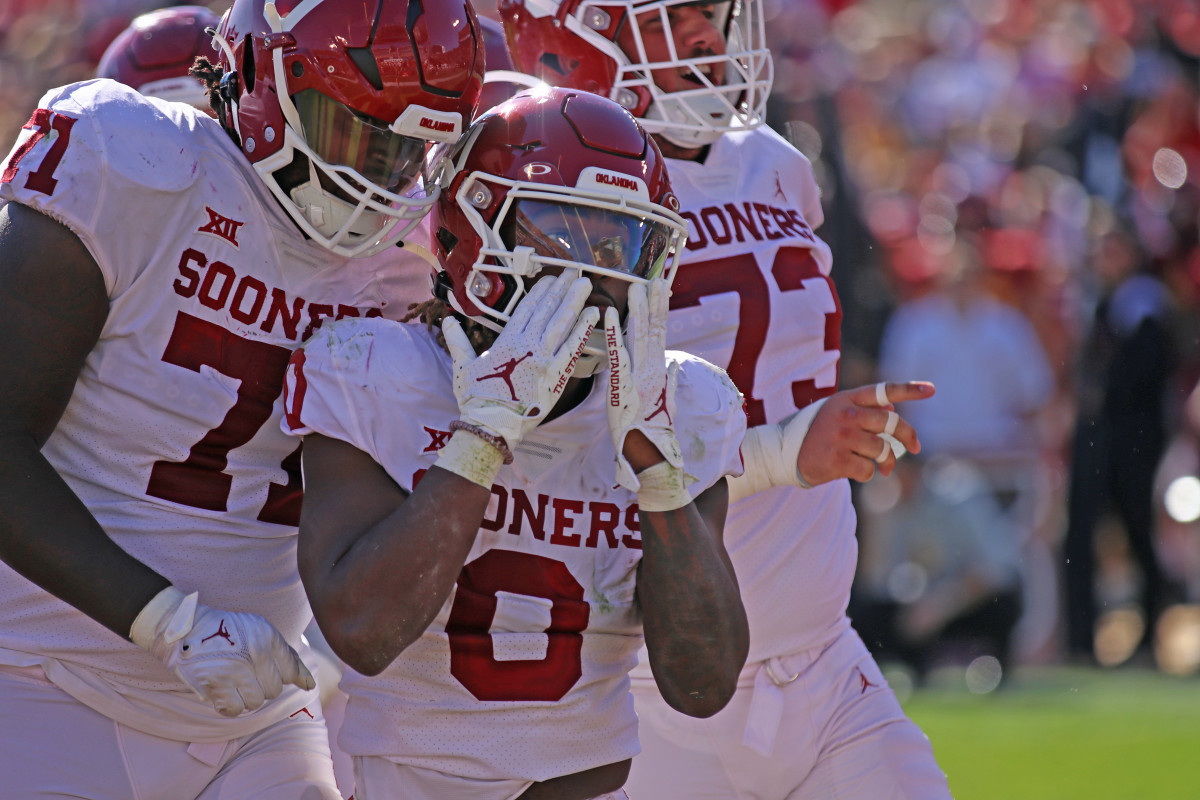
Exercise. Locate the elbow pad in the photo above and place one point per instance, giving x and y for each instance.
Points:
(769, 454)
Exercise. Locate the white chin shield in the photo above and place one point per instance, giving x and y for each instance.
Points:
(329, 215)
(689, 122)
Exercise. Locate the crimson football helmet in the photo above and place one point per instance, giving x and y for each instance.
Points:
(551, 178)
(719, 77)
(154, 54)
(336, 102)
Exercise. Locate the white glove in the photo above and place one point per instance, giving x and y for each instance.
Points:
(235, 661)
(512, 386)
(641, 395)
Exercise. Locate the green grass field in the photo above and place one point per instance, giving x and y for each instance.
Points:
(1068, 734)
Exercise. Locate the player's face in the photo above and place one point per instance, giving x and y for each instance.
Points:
(695, 29)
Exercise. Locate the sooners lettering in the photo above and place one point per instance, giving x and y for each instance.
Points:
(619, 181)
(569, 521)
(730, 222)
(222, 227)
(437, 125)
(252, 302)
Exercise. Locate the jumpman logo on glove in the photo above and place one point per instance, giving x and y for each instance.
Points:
(223, 632)
(505, 372)
(661, 408)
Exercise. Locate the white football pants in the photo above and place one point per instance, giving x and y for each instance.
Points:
(810, 726)
(53, 746)
(379, 779)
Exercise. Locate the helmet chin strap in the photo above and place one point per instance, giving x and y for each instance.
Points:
(674, 112)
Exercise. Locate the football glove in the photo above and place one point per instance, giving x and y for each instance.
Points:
(641, 396)
(233, 660)
(508, 390)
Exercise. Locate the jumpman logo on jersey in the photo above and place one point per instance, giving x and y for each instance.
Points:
(661, 408)
(223, 632)
(505, 373)
(862, 679)
(779, 187)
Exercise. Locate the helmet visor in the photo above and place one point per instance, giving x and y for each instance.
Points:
(594, 237)
(344, 138)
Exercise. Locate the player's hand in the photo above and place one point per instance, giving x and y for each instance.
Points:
(854, 434)
(512, 386)
(233, 660)
(641, 387)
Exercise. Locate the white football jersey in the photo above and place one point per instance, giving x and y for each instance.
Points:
(172, 435)
(753, 295)
(524, 672)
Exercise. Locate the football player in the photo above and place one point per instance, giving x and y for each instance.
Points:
(496, 510)
(157, 268)
(813, 716)
(155, 53)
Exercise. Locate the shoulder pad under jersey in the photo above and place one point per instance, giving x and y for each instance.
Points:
(710, 420)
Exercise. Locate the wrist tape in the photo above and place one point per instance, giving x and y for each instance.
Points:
(769, 454)
(471, 457)
(663, 488)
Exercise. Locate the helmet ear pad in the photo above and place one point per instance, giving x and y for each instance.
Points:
(458, 254)
(259, 113)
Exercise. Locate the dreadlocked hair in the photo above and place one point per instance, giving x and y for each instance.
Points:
(210, 75)
(433, 311)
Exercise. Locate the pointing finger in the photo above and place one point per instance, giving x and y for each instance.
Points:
(883, 395)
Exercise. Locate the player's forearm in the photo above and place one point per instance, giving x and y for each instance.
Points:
(48, 536)
(379, 595)
(694, 622)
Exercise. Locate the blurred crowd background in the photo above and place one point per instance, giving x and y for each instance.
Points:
(1011, 191)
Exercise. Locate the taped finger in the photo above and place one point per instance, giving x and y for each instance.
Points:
(893, 419)
(890, 442)
(885, 451)
(881, 398)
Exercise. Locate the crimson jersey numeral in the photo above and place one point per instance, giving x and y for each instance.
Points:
(44, 121)
(472, 658)
(721, 276)
(740, 274)
(793, 266)
(200, 480)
